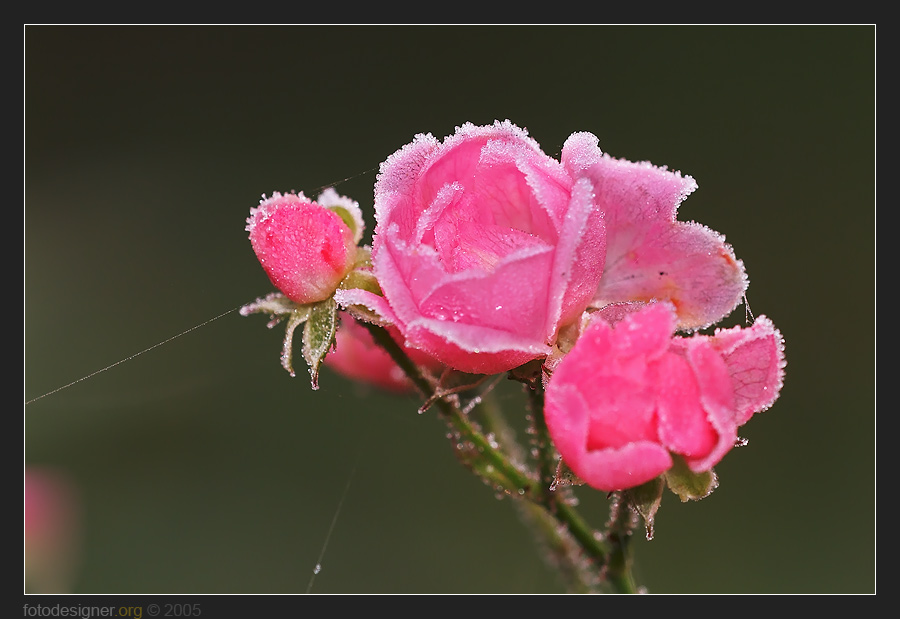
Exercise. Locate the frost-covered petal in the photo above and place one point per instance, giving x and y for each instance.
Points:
(470, 348)
(651, 256)
(755, 360)
(716, 399)
(372, 302)
(611, 371)
(579, 258)
(601, 403)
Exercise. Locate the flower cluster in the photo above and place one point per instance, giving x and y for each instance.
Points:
(488, 254)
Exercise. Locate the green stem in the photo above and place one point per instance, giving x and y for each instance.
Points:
(550, 509)
(562, 549)
(613, 556)
(545, 453)
(496, 466)
(619, 533)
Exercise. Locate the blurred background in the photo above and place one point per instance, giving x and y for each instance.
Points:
(200, 466)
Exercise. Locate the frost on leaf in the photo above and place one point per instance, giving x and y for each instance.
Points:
(318, 336)
(320, 323)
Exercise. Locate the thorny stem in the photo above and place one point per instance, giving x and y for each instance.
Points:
(619, 530)
(613, 557)
(545, 454)
(549, 509)
(561, 549)
(496, 465)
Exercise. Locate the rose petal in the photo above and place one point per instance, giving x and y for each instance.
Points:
(512, 298)
(716, 399)
(650, 256)
(630, 465)
(579, 260)
(373, 302)
(683, 425)
(755, 360)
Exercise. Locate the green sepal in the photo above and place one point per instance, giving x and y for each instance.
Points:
(644, 500)
(363, 258)
(318, 336)
(318, 332)
(348, 218)
(363, 279)
(276, 305)
(688, 485)
(295, 319)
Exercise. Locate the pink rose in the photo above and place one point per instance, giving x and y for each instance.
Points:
(485, 246)
(357, 356)
(629, 394)
(304, 247)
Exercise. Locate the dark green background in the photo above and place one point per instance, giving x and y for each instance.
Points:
(204, 468)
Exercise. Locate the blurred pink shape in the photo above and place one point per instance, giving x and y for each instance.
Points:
(357, 356)
(52, 531)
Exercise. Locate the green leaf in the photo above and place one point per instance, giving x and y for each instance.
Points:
(688, 485)
(645, 500)
(318, 336)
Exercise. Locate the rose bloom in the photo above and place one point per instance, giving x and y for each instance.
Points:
(630, 394)
(304, 247)
(484, 245)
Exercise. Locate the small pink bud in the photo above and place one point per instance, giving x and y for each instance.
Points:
(306, 249)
